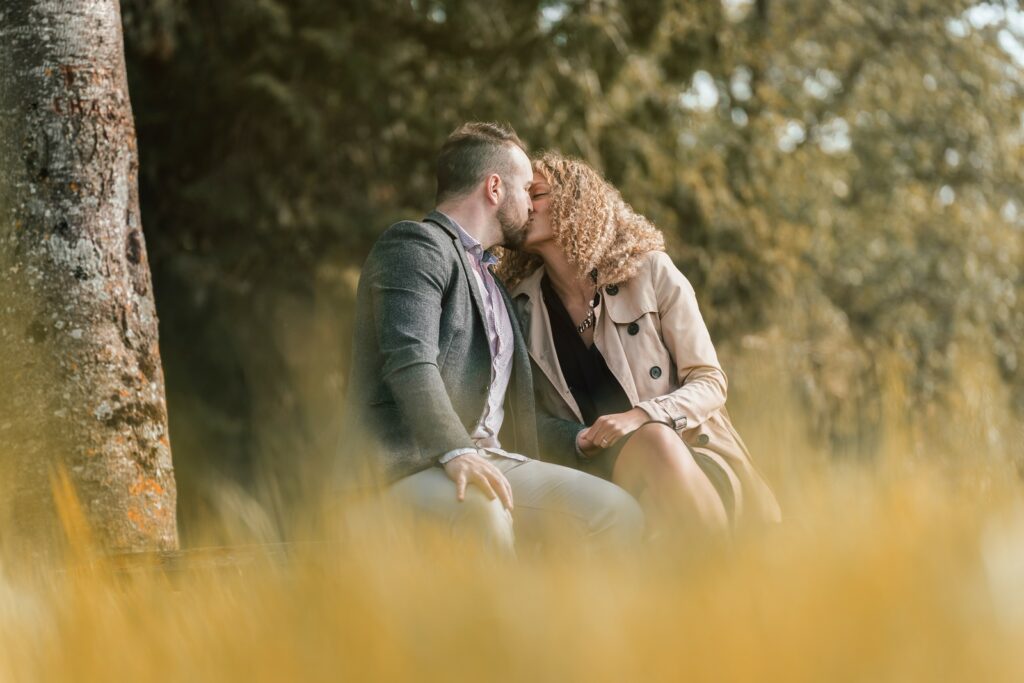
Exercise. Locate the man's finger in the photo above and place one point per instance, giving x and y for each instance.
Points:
(484, 485)
(503, 488)
(460, 486)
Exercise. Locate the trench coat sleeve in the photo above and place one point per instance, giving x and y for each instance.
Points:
(409, 271)
(702, 382)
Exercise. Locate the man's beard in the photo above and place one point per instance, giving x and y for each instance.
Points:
(513, 230)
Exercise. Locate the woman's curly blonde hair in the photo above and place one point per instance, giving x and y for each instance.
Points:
(595, 227)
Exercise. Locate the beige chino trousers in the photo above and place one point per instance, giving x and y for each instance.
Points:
(549, 502)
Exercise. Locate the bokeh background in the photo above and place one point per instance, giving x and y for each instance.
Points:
(840, 180)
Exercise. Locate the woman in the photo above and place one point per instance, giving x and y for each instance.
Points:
(628, 381)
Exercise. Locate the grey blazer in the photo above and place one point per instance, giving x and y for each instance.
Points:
(421, 364)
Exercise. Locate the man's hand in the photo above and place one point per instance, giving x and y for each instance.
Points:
(471, 468)
(608, 429)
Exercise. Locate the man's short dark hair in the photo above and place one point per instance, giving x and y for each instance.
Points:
(472, 152)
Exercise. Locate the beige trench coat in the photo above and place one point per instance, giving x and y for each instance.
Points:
(652, 336)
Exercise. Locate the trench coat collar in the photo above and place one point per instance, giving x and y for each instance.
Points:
(539, 340)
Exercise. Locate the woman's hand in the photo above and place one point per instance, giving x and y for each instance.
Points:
(608, 429)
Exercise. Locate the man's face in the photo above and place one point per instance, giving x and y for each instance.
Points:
(515, 209)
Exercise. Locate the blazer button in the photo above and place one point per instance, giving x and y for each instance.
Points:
(655, 372)
(703, 440)
(633, 329)
(612, 290)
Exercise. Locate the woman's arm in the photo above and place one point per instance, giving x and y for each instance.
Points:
(703, 385)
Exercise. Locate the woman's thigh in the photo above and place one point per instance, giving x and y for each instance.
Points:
(655, 457)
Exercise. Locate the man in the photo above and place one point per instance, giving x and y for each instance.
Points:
(440, 400)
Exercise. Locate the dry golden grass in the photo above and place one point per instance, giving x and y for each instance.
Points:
(910, 567)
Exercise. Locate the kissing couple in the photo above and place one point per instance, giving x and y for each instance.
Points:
(528, 357)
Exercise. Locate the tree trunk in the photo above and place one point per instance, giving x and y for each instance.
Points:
(81, 385)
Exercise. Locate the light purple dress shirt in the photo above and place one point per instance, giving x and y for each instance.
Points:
(500, 337)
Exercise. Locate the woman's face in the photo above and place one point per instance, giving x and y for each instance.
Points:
(538, 231)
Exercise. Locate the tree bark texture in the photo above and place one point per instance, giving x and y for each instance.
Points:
(81, 384)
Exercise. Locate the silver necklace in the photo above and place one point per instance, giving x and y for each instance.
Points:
(591, 318)
(588, 321)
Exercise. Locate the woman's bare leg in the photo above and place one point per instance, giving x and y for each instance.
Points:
(657, 468)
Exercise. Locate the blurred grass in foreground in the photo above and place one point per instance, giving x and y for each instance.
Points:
(909, 567)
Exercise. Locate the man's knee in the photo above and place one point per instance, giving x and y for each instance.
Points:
(429, 496)
(483, 519)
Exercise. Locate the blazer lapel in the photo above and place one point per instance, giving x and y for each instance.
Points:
(521, 357)
(441, 220)
(521, 382)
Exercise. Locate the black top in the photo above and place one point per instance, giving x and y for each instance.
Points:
(595, 388)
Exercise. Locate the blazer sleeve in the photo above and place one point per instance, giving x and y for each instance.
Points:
(408, 272)
(557, 437)
(702, 382)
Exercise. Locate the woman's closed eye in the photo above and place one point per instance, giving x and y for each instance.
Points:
(539, 195)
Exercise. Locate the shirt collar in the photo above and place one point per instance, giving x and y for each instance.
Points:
(472, 245)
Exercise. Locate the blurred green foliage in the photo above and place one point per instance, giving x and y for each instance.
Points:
(843, 178)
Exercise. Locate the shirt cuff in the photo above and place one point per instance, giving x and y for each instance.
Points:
(451, 455)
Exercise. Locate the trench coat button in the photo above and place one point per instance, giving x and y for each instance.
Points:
(633, 329)
(612, 290)
(703, 440)
(655, 372)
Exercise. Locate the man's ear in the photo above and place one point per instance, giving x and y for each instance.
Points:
(493, 187)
